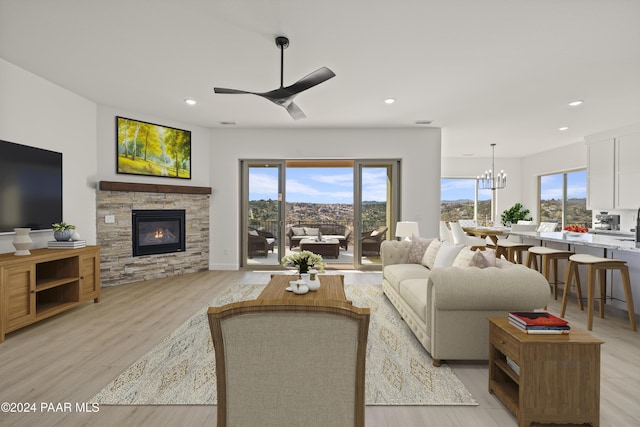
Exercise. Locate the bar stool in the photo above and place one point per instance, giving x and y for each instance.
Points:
(549, 257)
(597, 265)
(512, 251)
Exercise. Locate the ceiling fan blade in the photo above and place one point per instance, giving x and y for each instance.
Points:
(224, 90)
(320, 75)
(295, 111)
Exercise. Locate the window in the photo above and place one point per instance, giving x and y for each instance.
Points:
(461, 199)
(563, 198)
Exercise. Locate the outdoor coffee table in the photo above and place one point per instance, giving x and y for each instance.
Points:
(326, 248)
(331, 288)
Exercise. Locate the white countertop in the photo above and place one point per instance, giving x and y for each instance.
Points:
(622, 242)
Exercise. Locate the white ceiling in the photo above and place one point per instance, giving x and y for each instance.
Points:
(485, 71)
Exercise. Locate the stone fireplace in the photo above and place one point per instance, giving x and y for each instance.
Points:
(117, 202)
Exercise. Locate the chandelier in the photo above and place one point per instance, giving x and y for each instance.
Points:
(488, 180)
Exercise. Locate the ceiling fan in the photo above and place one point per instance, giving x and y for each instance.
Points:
(283, 96)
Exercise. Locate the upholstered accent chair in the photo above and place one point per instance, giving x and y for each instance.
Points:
(290, 364)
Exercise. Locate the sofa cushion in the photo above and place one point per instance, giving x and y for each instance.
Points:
(414, 293)
(298, 231)
(430, 254)
(418, 248)
(309, 231)
(447, 254)
(396, 273)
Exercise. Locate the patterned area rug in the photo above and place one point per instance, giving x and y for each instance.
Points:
(181, 369)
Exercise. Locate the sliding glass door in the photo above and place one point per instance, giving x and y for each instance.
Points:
(262, 219)
(353, 202)
(376, 208)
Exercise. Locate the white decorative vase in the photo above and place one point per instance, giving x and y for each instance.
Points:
(22, 242)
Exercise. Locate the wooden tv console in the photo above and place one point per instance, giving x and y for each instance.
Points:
(45, 283)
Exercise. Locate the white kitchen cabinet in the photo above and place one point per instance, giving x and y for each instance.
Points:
(627, 151)
(600, 174)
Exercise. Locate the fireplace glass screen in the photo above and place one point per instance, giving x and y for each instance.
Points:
(158, 231)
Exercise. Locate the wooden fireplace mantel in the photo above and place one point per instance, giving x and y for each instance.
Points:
(152, 188)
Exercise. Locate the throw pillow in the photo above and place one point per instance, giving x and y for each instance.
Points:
(418, 248)
(297, 231)
(374, 233)
(478, 260)
(463, 259)
(253, 233)
(311, 231)
(430, 254)
(447, 254)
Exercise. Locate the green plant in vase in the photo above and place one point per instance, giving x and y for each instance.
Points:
(62, 231)
(514, 214)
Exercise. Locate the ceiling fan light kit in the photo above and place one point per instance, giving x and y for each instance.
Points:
(283, 96)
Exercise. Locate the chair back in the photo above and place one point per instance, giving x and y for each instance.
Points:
(547, 227)
(445, 233)
(290, 364)
(467, 223)
(458, 233)
(520, 227)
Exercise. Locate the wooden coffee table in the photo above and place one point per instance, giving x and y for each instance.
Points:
(331, 288)
(326, 248)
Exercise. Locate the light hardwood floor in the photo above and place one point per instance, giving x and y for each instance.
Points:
(71, 357)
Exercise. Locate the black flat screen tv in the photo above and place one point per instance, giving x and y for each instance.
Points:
(30, 187)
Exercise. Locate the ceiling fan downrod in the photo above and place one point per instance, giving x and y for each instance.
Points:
(283, 43)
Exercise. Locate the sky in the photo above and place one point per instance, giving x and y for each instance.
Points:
(318, 185)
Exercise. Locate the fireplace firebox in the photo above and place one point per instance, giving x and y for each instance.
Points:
(158, 231)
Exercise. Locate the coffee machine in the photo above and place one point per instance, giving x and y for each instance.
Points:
(605, 221)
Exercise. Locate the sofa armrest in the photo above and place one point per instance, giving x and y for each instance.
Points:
(394, 252)
(512, 288)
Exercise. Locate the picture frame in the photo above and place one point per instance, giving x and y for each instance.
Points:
(150, 149)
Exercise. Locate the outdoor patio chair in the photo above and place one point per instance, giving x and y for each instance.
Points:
(371, 241)
(259, 242)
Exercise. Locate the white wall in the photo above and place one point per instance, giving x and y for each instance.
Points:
(35, 112)
(107, 147)
(419, 150)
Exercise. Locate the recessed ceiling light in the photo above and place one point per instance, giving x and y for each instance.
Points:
(389, 100)
(576, 102)
(563, 128)
(467, 155)
(190, 101)
(424, 122)
(228, 123)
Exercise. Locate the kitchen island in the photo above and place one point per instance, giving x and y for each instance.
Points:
(617, 246)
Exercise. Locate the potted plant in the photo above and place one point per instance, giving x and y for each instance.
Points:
(516, 213)
(303, 261)
(62, 231)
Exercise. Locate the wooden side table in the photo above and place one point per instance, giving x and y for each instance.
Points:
(558, 379)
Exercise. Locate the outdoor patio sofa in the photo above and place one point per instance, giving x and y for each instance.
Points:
(326, 230)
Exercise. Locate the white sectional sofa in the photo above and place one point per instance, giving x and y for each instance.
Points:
(447, 308)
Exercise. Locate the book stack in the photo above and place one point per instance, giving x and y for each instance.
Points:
(70, 244)
(538, 322)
